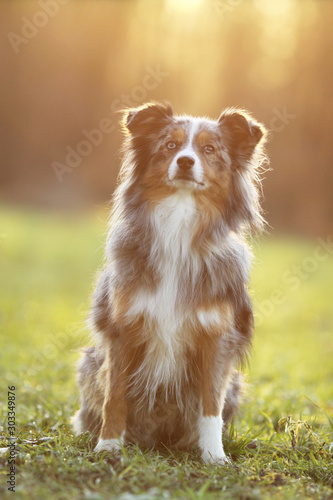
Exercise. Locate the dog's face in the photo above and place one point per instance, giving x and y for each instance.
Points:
(199, 155)
(190, 154)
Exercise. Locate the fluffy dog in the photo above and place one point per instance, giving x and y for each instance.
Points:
(171, 309)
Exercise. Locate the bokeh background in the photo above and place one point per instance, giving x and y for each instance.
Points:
(67, 65)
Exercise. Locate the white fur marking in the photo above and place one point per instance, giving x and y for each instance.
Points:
(112, 445)
(210, 318)
(210, 439)
(188, 150)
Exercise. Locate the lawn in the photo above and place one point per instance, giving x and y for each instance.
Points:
(281, 441)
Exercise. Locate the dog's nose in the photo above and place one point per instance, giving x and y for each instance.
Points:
(185, 162)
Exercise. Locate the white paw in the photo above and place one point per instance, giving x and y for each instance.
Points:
(214, 459)
(112, 445)
(210, 439)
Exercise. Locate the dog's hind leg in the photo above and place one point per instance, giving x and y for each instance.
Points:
(89, 417)
(233, 397)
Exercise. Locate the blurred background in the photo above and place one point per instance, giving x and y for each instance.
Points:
(68, 65)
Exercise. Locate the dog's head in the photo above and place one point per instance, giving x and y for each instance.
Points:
(216, 160)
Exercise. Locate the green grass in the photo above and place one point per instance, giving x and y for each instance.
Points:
(281, 441)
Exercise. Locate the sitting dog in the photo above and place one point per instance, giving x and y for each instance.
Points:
(171, 309)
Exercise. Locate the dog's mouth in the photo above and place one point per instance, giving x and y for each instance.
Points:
(184, 180)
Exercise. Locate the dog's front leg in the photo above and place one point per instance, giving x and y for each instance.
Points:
(215, 369)
(115, 402)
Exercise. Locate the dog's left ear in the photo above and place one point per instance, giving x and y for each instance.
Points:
(147, 119)
(242, 132)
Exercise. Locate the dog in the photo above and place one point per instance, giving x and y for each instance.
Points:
(171, 309)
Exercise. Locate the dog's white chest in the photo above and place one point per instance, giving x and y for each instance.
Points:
(173, 221)
(164, 322)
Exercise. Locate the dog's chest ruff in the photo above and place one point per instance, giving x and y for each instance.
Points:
(165, 325)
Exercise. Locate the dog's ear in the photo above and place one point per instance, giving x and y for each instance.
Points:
(242, 132)
(147, 119)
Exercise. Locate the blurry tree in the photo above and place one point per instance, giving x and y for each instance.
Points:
(79, 62)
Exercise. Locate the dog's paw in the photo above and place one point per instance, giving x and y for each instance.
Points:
(214, 459)
(111, 445)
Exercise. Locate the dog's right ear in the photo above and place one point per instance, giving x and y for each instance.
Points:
(146, 119)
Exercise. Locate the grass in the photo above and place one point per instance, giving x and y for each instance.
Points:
(281, 441)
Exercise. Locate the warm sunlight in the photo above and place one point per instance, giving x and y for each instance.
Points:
(141, 138)
(282, 7)
(183, 6)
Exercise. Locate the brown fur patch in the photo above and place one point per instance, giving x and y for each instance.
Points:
(115, 407)
(178, 135)
(120, 304)
(206, 137)
(214, 371)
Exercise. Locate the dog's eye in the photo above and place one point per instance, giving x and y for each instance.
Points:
(209, 149)
(171, 145)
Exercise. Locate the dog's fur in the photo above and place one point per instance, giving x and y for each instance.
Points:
(171, 307)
